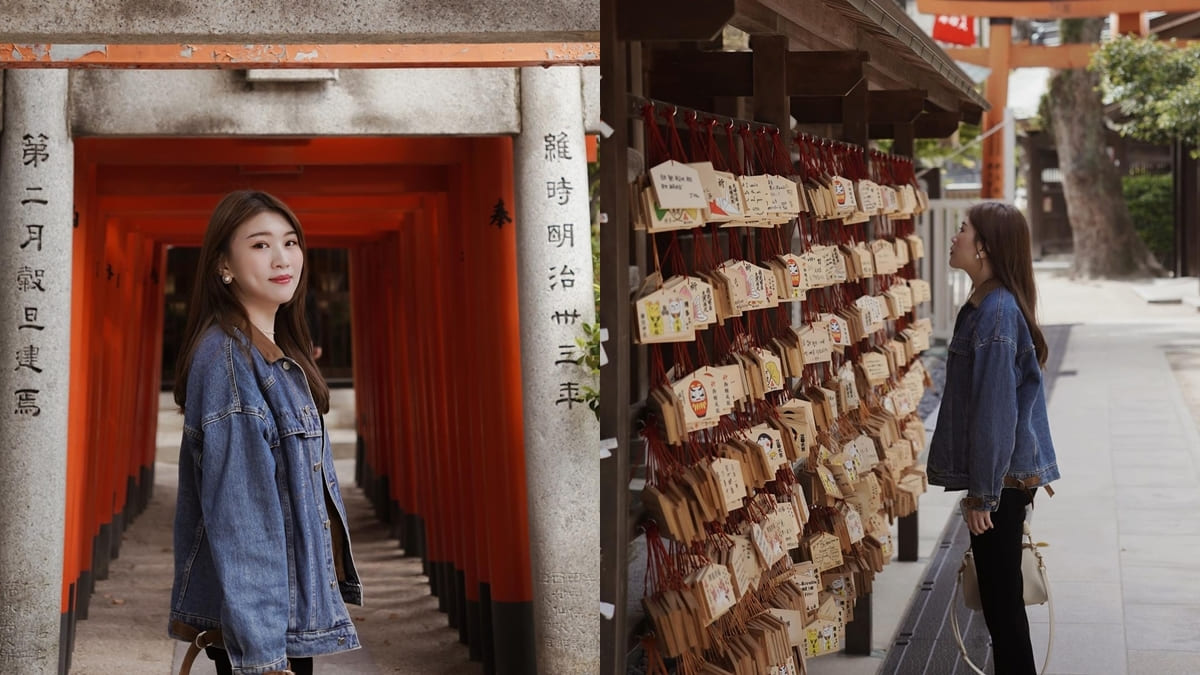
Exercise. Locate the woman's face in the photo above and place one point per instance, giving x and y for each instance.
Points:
(265, 261)
(963, 247)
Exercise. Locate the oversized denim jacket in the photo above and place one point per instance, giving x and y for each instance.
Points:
(261, 545)
(992, 424)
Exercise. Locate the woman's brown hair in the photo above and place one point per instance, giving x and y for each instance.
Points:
(1004, 235)
(213, 301)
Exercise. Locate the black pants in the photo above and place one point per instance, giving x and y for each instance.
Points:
(1001, 589)
(221, 660)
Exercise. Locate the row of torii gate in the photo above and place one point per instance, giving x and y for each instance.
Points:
(1130, 17)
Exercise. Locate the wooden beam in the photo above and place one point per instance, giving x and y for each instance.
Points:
(817, 109)
(881, 131)
(854, 115)
(1048, 9)
(1179, 25)
(883, 107)
(974, 55)
(1040, 56)
(230, 56)
(971, 113)
(895, 106)
(896, 132)
(674, 74)
(1025, 55)
(672, 19)
(771, 104)
(810, 25)
(905, 140)
(813, 26)
(834, 73)
(939, 124)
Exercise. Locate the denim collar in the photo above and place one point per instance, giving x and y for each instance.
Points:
(980, 293)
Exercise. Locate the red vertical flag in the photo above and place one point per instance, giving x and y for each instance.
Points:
(955, 29)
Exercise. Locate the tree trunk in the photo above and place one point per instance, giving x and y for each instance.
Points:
(1106, 244)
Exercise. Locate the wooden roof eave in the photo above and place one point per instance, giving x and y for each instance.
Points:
(902, 56)
(1181, 25)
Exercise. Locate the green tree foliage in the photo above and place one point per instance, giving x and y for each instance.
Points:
(1157, 86)
(1150, 198)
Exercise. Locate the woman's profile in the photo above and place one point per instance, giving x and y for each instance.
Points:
(263, 567)
(993, 436)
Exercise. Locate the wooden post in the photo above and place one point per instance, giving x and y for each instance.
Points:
(999, 60)
(1131, 23)
(905, 139)
(615, 377)
(855, 128)
(771, 102)
(908, 533)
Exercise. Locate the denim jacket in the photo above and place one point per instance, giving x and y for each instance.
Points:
(261, 545)
(992, 428)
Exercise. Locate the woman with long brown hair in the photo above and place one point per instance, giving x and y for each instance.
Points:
(262, 552)
(993, 436)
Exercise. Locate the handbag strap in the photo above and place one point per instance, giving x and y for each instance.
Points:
(962, 648)
(198, 640)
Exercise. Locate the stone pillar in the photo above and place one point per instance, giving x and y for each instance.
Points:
(562, 435)
(36, 196)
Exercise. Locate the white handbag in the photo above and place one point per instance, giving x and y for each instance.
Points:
(1036, 591)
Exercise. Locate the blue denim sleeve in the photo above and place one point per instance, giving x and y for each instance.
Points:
(243, 520)
(992, 430)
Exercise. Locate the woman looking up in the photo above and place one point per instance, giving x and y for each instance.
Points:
(993, 437)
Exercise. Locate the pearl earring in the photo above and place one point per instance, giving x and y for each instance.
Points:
(228, 279)
(976, 257)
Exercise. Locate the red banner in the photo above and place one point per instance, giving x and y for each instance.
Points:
(955, 29)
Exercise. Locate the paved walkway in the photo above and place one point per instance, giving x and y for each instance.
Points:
(400, 627)
(1124, 526)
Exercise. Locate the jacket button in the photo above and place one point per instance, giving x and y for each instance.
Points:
(317, 466)
(287, 366)
(327, 523)
(333, 584)
(341, 641)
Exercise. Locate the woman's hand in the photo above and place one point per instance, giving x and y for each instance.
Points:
(978, 522)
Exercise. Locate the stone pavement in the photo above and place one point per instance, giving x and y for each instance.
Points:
(400, 627)
(1124, 526)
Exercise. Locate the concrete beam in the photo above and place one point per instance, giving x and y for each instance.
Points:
(454, 101)
(285, 21)
(361, 102)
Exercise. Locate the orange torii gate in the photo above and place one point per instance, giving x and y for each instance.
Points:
(1001, 55)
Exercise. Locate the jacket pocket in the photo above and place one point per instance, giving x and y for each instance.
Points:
(959, 344)
(304, 422)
